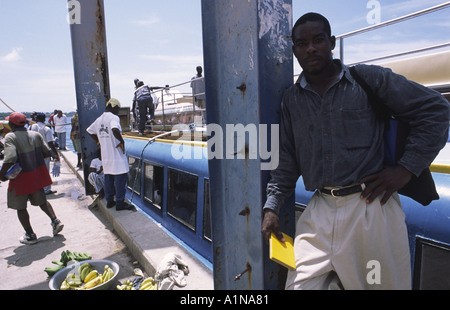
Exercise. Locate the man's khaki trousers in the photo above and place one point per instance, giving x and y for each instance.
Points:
(344, 243)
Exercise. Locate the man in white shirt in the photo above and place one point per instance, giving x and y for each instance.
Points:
(198, 88)
(47, 134)
(107, 132)
(60, 120)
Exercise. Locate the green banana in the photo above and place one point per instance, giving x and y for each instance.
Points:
(52, 270)
(84, 270)
(57, 262)
(126, 286)
(73, 279)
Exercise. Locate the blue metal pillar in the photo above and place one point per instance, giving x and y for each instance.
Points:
(248, 65)
(87, 28)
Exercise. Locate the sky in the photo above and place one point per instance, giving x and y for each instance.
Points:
(160, 42)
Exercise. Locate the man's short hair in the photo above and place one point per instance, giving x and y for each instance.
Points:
(313, 17)
(40, 117)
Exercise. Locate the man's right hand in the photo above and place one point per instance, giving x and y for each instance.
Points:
(271, 224)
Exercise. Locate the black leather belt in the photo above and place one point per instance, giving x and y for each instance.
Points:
(339, 192)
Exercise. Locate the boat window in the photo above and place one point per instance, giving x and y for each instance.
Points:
(153, 184)
(431, 265)
(134, 180)
(207, 213)
(182, 197)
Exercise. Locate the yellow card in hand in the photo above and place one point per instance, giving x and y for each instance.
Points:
(282, 253)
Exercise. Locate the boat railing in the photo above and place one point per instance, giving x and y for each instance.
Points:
(389, 23)
(174, 106)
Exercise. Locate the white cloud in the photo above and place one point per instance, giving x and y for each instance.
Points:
(13, 56)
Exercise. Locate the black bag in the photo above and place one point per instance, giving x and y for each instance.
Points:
(422, 189)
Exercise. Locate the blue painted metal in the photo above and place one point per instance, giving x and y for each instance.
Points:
(430, 222)
(248, 65)
(433, 221)
(160, 154)
(91, 73)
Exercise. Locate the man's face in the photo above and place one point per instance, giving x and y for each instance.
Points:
(312, 47)
(115, 110)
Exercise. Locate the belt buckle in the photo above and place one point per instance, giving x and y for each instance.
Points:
(332, 192)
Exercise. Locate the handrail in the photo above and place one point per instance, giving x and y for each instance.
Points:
(404, 53)
(160, 92)
(388, 23)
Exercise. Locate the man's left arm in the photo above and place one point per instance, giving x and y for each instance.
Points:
(428, 114)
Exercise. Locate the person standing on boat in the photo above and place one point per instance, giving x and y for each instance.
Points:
(60, 120)
(330, 135)
(198, 88)
(47, 134)
(28, 149)
(145, 106)
(107, 132)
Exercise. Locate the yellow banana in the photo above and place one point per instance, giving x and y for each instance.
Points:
(148, 284)
(108, 275)
(64, 286)
(93, 283)
(149, 287)
(147, 280)
(91, 275)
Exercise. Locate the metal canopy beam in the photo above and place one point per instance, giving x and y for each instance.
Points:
(248, 65)
(88, 35)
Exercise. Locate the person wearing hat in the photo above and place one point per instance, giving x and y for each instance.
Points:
(107, 132)
(29, 150)
(47, 134)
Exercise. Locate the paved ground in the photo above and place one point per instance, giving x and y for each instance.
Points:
(86, 230)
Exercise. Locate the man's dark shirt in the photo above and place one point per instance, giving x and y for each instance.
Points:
(336, 140)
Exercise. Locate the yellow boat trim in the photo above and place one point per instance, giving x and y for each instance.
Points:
(161, 140)
(440, 168)
(183, 142)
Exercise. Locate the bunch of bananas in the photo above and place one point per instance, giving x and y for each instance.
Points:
(128, 285)
(107, 274)
(84, 270)
(138, 283)
(85, 277)
(149, 284)
(67, 258)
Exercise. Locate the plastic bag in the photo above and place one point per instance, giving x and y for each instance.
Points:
(56, 169)
(13, 172)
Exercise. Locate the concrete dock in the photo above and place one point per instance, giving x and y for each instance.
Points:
(130, 238)
(148, 242)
